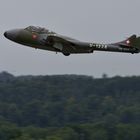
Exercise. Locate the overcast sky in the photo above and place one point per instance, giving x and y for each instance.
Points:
(101, 21)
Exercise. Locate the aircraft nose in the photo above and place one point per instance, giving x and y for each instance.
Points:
(12, 35)
(5, 34)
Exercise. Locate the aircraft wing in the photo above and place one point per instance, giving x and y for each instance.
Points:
(62, 42)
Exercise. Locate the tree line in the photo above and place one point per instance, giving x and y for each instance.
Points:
(69, 107)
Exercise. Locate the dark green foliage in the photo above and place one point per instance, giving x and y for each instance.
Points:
(69, 107)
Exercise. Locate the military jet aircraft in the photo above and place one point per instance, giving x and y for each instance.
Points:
(41, 38)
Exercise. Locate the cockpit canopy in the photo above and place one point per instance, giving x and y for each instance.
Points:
(38, 29)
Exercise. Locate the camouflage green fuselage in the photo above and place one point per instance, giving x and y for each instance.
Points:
(42, 38)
